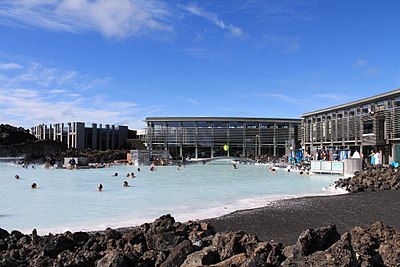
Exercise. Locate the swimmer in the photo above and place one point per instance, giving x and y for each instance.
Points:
(138, 169)
(301, 172)
(100, 187)
(17, 176)
(125, 184)
(234, 166)
(288, 170)
(116, 174)
(34, 186)
(152, 168)
(132, 175)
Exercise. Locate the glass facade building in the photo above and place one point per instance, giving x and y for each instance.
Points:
(205, 137)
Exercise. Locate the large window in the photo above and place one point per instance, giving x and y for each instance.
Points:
(368, 127)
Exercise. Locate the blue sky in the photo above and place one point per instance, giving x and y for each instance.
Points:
(120, 61)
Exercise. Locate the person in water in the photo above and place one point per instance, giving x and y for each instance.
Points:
(125, 184)
(116, 174)
(234, 166)
(152, 168)
(17, 176)
(131, 175)
(34, 186)
(100, 187)
(138, 169)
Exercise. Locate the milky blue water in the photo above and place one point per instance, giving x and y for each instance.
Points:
(69, 200)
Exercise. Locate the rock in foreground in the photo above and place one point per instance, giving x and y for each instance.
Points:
(168, 243)
(384, 178)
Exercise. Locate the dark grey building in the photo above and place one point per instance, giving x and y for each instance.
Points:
(77, 135)
(365, 124)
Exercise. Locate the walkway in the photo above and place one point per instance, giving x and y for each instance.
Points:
(223, 158)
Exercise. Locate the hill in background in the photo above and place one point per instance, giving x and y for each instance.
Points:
(18, 142)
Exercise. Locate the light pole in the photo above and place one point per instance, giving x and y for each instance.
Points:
(256, 148)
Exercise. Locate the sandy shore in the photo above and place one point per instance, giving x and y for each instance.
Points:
(284, 220)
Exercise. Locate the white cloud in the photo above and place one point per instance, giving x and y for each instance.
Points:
(44, 77)
(281, 97)
(9, 66)
(360, 63)
(372, 71)
(333, 97)
(112, 18)
(367, 68)
(56, 91)
(234, 31)
(33, 94)
(202, 53)
(189, 100)
(283, 43)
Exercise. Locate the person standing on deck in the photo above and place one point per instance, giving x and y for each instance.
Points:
(356, 155)
(377, 158)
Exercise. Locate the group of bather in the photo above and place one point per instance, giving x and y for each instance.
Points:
(289, 168)
(100, 187)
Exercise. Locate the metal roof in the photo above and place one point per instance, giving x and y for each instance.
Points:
(221, 119)
(362, 101)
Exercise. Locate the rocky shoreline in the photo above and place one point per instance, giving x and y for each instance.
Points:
(306, 233)
(168, 243)
(377, 178)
